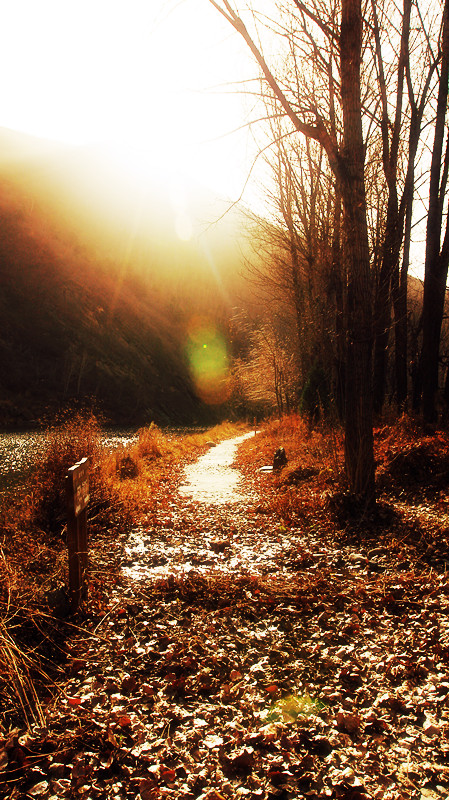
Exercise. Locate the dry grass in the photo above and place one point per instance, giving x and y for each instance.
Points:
(305, 445)
(124, 485)
(136, 475)
(315, 466)
(129, 483)
(412, 465)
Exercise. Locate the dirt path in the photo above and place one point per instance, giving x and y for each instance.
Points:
(239, 659)
(212, 478)
(214, 524)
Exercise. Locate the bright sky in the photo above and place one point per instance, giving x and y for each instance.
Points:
(147, 76)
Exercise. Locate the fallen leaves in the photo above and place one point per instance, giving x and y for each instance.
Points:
(239, 658)
(184, 699)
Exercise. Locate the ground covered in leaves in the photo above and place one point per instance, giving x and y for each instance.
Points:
(281, 646)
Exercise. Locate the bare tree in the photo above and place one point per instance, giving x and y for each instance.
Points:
(299, 269)
(342, 30)
(393, 233)
(266, 377)
(404, 79)
(437, 242)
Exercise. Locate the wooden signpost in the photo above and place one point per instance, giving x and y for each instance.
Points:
(77, 495)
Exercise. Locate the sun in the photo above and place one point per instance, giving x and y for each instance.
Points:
(153, 79)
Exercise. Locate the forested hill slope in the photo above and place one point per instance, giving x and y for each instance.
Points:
(95, 305)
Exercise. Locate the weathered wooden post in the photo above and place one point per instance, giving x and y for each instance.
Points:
(77, 495)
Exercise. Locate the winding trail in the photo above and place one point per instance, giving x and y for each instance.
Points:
(212, 479)
(214, 523)
(239, 659)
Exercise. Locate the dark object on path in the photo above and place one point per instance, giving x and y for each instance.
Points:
(301, 474)
(280, 459)
(127, 467)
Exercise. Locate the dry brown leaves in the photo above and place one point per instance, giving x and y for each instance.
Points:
(237, 655)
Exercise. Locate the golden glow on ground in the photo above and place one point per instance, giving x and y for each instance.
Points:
(137, 76)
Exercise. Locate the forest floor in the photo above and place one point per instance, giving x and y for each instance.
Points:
(274, 645)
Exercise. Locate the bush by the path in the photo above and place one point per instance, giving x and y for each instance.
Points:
(125, 485)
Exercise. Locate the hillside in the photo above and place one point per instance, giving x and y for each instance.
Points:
(101, 273)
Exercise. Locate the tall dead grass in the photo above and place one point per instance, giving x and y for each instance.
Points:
(125, 484)
(307, 446)
(135, 476)
(315, 466)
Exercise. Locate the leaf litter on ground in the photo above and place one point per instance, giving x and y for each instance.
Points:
(235, 654)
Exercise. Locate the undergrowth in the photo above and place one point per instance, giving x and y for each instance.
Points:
(124, 485)
(314, 469)
(411, 465)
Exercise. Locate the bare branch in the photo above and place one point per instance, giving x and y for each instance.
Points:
(318, 131)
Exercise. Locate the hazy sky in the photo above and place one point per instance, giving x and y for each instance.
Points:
(147, 76)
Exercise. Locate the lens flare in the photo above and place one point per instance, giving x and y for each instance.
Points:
(292, 707)
(208, 360)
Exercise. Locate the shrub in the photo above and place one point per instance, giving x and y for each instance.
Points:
(315, 397)
(68, 441)
(150, 442)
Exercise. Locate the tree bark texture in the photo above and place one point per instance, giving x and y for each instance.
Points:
(337, 286)
(347, 164)
(399, 292)
(394, 224)
(359, 457)
(436, 265)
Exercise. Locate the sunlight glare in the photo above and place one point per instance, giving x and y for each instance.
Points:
(139, 78)
(183, 222)
(208, 360)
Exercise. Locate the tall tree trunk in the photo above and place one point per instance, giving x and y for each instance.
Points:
(337, 286)
(436, 266)
(359, 457)
(382, 324)
(399, 292)
(347, 165)
(389, 270)
(400, 282)
(400, 279)
(399, 285)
